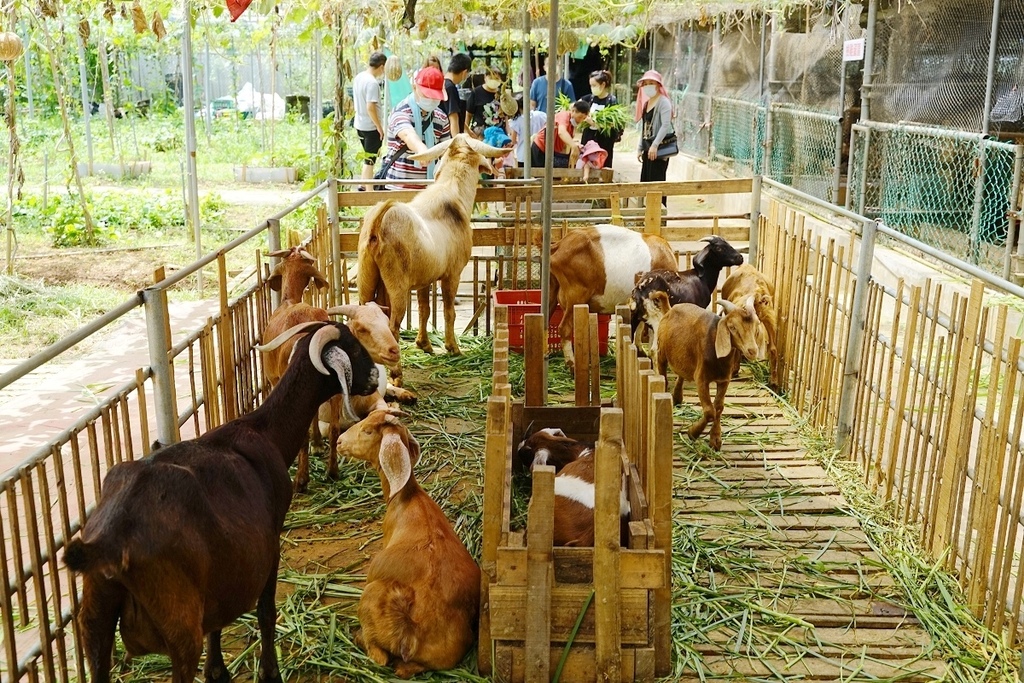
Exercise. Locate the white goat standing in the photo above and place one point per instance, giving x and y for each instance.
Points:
(407, 246)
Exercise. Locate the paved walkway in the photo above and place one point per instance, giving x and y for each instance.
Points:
(784, 584)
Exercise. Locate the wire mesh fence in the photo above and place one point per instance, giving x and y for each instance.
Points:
(737, 134)
(947, 189)
(805, 151)
(692, 123)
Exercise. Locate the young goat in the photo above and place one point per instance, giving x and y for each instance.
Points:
(549, 446)
(420, 605)
(574, 484)
(702, 347)
(693, 286)
(744, 282)
(186, 540)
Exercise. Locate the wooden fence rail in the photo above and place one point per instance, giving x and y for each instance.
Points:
(935, 404)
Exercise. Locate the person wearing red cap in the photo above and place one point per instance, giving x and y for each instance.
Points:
(654, 111)
(417, 123)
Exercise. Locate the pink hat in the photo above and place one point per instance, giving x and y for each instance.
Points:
(594, 153)
(651, 75)
(431, 83)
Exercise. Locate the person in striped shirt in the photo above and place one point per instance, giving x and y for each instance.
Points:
(419, 123)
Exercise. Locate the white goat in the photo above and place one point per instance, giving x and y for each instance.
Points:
(410, 246)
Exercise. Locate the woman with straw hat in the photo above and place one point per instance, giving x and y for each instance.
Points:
(654, 112)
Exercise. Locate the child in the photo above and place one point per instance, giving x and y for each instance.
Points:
(591, 156)
(495, 136)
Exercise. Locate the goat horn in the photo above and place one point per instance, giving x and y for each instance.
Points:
(279, 252)
(345, 310)
(709, 238)
(432, 153)
(286, 335)
(749, 305)
(486, 150)
(306, 255)
(727, 305)
(325, 334)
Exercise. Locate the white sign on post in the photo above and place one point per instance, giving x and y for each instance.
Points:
(853, 50)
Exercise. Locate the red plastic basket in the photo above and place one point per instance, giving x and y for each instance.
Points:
(523, 301)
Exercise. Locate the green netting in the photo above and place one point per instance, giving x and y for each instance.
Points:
(803, 150)
(691, 123)
(737, 134)
(948, 190)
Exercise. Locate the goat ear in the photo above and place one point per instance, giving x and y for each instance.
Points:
(319, 280)
(395, 462)
(723, 340)
(275, 282)
(414, 451)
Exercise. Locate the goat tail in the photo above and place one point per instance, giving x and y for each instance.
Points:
(395, 605)
(80, 556)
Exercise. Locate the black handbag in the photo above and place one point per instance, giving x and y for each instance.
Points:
(669, 146)
(388, 163)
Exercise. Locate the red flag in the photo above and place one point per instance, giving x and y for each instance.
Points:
(236, 7)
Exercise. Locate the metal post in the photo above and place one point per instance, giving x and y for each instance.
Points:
(527, 84)
(862, 200)
(83, 76)
(335, 235)
(1013, 217)
(28, 71)
(188, 106)
(755, 221)
(837, 173)
(851, 369)
(549, 162)
(163, 379)
(208, 96)
(762, 57)
(869, 60)
(979, 202)
(990, 79)
(316, 111)
(274, 244)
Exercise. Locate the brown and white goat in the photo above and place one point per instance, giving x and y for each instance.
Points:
(420, 605)
(410, 246)
(702, 347)
(574, 484)
(745, 282)
(549, 446)
(597, 266)
(186, 540)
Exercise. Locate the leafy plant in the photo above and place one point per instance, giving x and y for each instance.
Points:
(612, 119)
(562, 102)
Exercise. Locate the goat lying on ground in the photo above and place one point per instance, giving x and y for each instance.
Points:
(187, 539)
(574, 484)
(597, 266)
(420, 604)
(704, 348)
(549, 446)
(693, 286)
(745, 282)
(404, 247)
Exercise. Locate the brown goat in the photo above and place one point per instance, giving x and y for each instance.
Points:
(745, 282)
(549, 446)
(597, 266)
(405, 247)
(186, 540)
(702, 347)
(421, 601)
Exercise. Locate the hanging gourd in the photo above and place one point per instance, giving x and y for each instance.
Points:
(393, 68)
(11, 46)
(139, 18)
(568, 41)
(84, 31)
(158, 26)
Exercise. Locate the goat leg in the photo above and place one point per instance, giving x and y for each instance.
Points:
(715, 437)
(266, 615)
(98, 613)
(449, 287)
(214, 670)
(333, 432)
(423, 301)
(302, 470)
(707, 409)
(565, 331)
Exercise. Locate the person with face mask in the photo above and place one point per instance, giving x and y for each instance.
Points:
(654, 112)
(600, 97)
(417, 123)
(483, 108)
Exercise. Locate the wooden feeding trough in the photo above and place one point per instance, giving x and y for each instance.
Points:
(601, 613)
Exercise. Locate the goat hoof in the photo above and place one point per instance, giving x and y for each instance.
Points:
(425, 346)
(406, 670)
(219, 674)
(301, 486)
(274, 677)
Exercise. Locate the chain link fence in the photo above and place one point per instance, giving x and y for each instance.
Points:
(949, 189)
(805, 150)
(737, 134)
